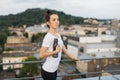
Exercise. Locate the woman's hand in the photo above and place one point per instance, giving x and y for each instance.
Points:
(69, 55)
(57, 50)
(44, 53)
(76, 59)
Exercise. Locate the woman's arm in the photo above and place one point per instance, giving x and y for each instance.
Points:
(44, 53)
(68, 54)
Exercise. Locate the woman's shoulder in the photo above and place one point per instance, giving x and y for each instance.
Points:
(48, 36)
(58, 34)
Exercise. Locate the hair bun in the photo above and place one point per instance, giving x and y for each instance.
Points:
(48, 12)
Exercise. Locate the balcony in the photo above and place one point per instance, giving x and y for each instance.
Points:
(71, 76)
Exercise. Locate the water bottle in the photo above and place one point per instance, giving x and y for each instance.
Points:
(54, 47)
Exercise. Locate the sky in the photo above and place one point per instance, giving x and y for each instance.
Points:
(101, 9)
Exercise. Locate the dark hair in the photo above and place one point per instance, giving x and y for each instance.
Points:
(48, 14)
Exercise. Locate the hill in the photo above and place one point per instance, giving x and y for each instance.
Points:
(36, 16)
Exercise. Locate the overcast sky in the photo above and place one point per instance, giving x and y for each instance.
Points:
(102, 9)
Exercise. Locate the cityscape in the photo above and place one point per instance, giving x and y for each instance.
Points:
(97, 42)
(90, 32)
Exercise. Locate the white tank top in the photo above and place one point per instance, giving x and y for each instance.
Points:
(51, 64)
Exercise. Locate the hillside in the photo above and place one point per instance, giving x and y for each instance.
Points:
(35, 16)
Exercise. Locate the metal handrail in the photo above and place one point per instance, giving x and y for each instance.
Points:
(64, 60)
(64, 75)
(28, 62)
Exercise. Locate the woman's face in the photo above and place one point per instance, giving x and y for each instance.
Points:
(54, 21)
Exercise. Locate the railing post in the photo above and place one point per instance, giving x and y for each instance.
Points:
(100, 69)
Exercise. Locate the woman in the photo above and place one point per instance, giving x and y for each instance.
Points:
(49, 68)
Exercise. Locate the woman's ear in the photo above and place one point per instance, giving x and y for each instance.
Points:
(48, 23)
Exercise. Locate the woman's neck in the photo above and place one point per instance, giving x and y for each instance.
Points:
(53, 32)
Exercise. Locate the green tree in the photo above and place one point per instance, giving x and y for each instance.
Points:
(6, 31)
(37, 37)
(14, 34)
(1, 58)
(34, 37)
(36, 16)
(25, 34)
(9, 49)
(103, 32)
(10, 69)
(29, 70)
(88, 31)
(3, 37)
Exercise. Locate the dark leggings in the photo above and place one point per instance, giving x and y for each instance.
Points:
(48, 75)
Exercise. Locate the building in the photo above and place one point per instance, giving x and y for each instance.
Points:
(17, 49)
(14, 57)
(17, 39)
(94, 47)
(19, 30)
(115, 23)
(36, 29)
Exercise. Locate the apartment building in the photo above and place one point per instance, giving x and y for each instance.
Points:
(17, 49)
(93, 47)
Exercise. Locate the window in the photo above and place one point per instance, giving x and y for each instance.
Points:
(81, 49)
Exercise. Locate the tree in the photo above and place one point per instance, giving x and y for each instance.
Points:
(36, 16)
(3, 36)
(88, 31)
(37, 37)
(9, 69)
(0, 61)
(103, 32)
(29, 70)
(25, 34)
(34, 37)
(9, 49)
(14, 34)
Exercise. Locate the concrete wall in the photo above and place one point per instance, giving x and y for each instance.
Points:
(12, 60)
(89, 40)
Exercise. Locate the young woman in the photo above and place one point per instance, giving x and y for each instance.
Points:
(49, 68)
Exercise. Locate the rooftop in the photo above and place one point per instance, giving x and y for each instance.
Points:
(113, 77)
(101, 45)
